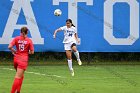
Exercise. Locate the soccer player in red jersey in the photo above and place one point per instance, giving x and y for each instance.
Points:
(24, 47)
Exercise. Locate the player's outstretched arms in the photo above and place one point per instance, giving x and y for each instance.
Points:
(55, 32)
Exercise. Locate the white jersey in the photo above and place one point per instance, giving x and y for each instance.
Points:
(69, 34)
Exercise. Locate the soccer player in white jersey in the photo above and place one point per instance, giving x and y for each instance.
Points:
(70, 39)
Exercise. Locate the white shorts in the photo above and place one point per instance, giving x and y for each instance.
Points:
(67, 46)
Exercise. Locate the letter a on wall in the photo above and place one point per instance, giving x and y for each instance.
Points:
(11, 25)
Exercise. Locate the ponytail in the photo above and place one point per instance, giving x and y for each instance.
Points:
(73, 25)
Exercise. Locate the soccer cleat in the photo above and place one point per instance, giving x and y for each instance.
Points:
(72, 72)
(79, 62)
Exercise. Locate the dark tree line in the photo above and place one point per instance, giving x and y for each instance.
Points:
(92, 57)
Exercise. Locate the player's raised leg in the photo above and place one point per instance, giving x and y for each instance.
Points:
(76, 53)
(17, 81)
(69, 59)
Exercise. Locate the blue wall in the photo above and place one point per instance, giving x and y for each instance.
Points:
(90, 23)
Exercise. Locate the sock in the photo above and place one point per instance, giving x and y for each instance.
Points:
(20, 84)
(77, 55)
(15, 85)
(70, 64)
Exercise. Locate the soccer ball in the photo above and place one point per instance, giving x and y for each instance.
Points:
(57, 12)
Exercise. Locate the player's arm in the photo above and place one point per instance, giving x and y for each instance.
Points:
(55, 32)
(31, 49)
(10, 47)
(76, 37)
(31, 52)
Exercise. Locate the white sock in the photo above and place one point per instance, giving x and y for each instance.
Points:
(77, 55)
(70, 64)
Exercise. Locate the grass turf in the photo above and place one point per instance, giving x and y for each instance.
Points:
(87, 79)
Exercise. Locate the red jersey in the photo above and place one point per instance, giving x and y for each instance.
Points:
(23, 45)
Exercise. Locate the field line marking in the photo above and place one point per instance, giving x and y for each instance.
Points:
(36, 73)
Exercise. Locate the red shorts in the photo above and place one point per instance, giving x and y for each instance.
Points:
(20, 64)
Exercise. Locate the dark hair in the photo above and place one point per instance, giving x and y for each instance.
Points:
(24, 30)
(69, 20)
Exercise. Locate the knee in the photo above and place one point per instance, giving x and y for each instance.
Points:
(69, 57)
(74, 50)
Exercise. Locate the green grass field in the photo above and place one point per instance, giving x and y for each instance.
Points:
(87, 79)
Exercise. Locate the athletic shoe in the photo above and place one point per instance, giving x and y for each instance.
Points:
(72, 72)
(79, 62)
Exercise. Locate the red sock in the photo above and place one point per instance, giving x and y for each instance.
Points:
(15, 85)
(19, 87)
